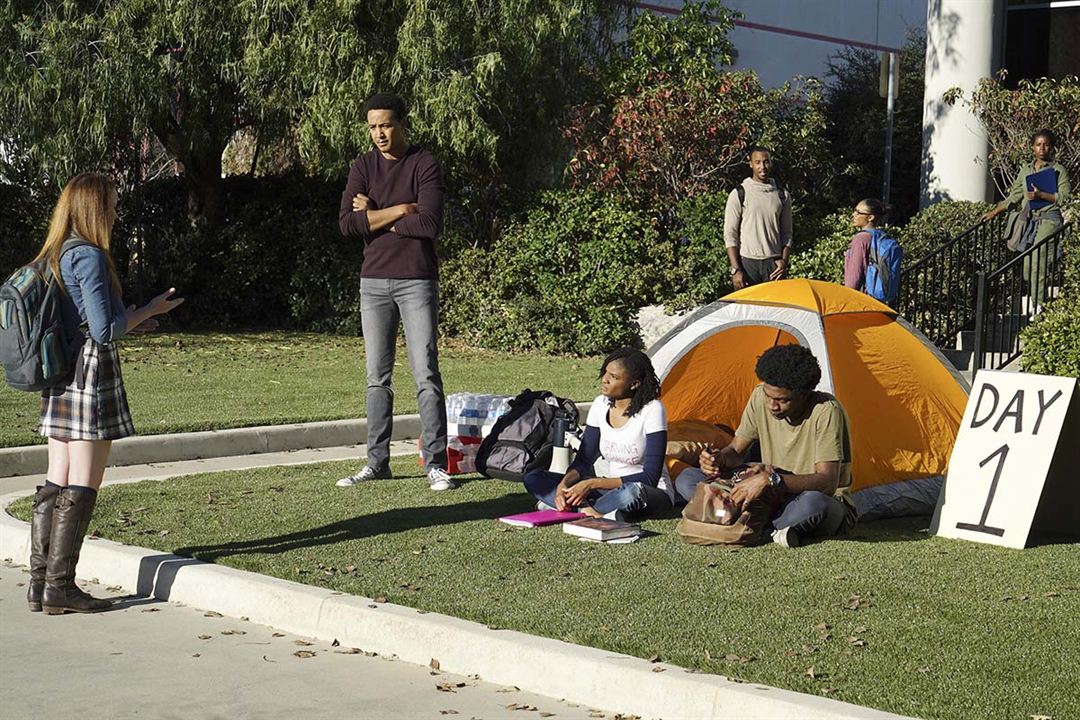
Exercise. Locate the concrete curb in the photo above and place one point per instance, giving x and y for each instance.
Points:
(144, 449)
(549, 667)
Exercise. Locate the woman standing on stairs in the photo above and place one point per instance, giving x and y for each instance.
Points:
(83, 417)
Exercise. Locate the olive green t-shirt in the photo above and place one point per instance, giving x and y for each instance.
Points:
(822, 436)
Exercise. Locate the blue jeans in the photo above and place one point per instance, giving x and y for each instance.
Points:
(634, 499)
(384, 303)
(811, 513)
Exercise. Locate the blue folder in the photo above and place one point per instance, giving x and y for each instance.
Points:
(1045, 180)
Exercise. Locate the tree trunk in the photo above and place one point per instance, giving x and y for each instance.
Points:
(202, 176)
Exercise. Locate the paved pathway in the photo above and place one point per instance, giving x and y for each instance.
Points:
(153, 659)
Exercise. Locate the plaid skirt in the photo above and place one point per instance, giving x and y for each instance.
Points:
(93, 406)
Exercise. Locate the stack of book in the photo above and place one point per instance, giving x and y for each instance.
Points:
(592, 529)
(540, 518)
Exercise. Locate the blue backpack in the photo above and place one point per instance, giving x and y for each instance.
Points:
(883, 271)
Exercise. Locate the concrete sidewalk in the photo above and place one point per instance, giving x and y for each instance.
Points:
(153, 659)
(551, 668)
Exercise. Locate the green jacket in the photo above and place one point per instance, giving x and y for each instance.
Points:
(1018, 189)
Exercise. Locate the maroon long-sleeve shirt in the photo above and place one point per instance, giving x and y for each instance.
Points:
(409, 250)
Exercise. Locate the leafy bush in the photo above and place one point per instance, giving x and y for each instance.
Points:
(820, 246)
(566, 277)
(673, 126)
(937, 223)
(276, 260)
(701, 272)
(1051, 344)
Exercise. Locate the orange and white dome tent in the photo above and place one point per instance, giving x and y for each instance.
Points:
(903, 399)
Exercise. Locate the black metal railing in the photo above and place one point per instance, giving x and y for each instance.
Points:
(1008, 297)
(938, 292)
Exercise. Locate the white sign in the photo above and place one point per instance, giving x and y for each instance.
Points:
(1019, 441)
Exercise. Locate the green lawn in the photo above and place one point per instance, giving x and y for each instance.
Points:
(185, 382)
(887, 617)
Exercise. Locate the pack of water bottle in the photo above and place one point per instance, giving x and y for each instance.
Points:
(474, 414)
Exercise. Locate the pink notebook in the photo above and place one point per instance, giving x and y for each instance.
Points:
(538, 518)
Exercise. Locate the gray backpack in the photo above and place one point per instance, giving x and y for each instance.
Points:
(34, 350)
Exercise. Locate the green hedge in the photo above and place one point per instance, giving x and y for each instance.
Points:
(566, 277)
(1051, 344)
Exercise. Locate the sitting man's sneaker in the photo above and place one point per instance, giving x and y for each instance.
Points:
(541, 505)
(787, 537)
(439, 479)
(366, 475)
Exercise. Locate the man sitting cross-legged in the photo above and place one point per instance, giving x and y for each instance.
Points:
(805, 449)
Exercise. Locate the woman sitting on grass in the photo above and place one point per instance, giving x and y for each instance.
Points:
(627, 426)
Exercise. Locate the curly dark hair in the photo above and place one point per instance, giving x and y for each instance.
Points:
(639, 367)
(387, 101)
(789, 366)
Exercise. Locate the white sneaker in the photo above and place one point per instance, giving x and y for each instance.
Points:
(439, 479)
(541, 505)
(786, 537)
(366, 475)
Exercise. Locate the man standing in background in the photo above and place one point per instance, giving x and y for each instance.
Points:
(757, 225)
(394, 202)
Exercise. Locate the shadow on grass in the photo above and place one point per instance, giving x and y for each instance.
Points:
(380, 523)
(907, 529)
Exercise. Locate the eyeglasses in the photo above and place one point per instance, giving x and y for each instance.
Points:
(857, 211)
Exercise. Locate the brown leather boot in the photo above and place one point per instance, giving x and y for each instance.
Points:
(40, 529)
(71, 518)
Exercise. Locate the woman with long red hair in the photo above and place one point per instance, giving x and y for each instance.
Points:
(82, 417)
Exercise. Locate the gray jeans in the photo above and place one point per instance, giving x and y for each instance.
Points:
(384, 302)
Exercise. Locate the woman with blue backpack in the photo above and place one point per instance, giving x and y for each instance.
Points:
(872, 261)
(82, 415)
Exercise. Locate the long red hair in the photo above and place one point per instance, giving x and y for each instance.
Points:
(87, 206)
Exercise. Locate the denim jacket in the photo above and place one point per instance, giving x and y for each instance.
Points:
(90, 300)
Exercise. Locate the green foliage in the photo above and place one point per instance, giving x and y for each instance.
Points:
(23, 220)
(673, 126)
(685, 48)
(91, 85)
(702, 272)
(820, 246)
(1012, 115)
(937, 223)
(1051, 344)
(277, 258)
(855, 130)
(565, 278)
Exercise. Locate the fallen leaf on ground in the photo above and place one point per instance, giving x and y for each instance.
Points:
(211, 613)
(335, 643)
(205, 637)
(658, 669)
(654, 659)
(448, 712)
(450, 687)
(349, 651)
(379, 599)
(857, 642)
(509, 689)
(304, 654)
(828, 690)
(859, 629)
(277, 634)
(150, 610)
(1051, 594)
(434, 664)
(810, 673)
(302, 643)
(1041, 717)
(233, 632)
(196, 655)
(268, 659)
